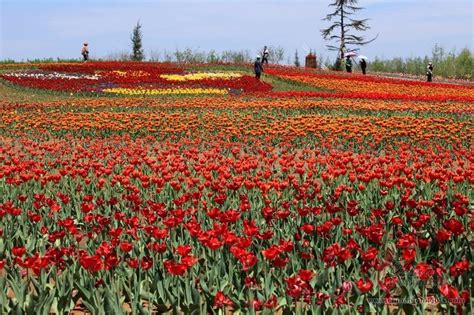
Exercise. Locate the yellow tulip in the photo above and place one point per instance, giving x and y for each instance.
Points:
(141, 91)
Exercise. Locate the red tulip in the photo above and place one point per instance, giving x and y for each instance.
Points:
(126, 246)
(388, 283)
(271, 303)
(454, 226)
(146, 263)
(280, 262)
(174, 268)
(133, 263)
(271, 253)
(256, 304)
(409, 254)
(364, 285)
(307, 228)
(220, 300)
(459, 268)
(111, 261)
(91, 263)
(18, 251)
(370, 254)
(306, 275)
(450, 293)
(424, 271)
(183, 250)
(443, 235)
(397, 221)
(340, 300)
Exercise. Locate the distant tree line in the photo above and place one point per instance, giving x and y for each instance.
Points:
(446, 64)
(190, 55)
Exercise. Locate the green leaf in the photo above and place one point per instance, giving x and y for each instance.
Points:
(408, 308)
(85, 294)
(204, 287)
(282, 302)
(322, 278)
(188, 294)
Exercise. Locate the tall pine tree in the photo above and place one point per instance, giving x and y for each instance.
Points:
(297, 59)
(137, 47)
(343, 27)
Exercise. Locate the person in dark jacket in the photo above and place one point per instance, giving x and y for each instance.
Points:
(258, 67)
(429, 72)
(348, 64)
(363, 65)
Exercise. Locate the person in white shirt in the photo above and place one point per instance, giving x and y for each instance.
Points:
(265, 55)
(429, 72)
(85, 52)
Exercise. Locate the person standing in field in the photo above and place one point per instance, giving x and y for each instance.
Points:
(258, 67)
(429, 72)
(85, 51)
(265, 55)
(348, 64)
(363, 65)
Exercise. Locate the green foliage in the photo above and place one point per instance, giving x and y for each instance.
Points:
(137, 46)
(118, 56)
(195, 56)
(7, 61)
(447, 65)
(337, 66)
(297, 60)
(189, 55)
(464, 64)
(40, 60)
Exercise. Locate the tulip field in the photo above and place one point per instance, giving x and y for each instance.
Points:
(149, 188)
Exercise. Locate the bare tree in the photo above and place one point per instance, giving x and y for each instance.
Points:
(155, 55)
(342, 28)
(239, 56)
(167, 56)
(118, 56)
(277, 54)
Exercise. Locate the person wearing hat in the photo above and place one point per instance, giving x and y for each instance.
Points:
(85, 52)
(258, 67)
(429, 72)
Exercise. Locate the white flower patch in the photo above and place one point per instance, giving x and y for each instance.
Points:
(51, 75)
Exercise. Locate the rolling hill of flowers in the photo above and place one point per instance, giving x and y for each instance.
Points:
(149, 188)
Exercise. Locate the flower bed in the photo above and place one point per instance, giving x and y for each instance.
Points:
(359, 86)
(234, 203)
(141, 91)
(135, 78)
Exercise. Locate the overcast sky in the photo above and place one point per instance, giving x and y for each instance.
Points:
(57, 28)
